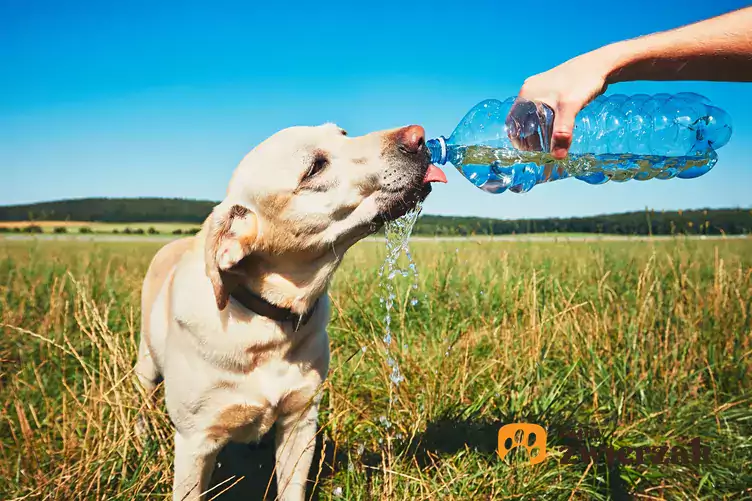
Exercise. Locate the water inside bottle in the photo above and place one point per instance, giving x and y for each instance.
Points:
(498, 169)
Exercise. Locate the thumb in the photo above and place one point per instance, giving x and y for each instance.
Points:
(561, 139)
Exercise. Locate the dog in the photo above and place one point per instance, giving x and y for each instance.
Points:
(234, 318)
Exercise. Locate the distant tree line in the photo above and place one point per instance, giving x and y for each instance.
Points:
(112, 210)
(174, 210)
(692, 222)
(35, 228)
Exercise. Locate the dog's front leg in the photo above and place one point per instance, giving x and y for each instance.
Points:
(194, 463)
(295, 443)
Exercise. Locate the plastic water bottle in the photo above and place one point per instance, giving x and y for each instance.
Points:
(501, 146)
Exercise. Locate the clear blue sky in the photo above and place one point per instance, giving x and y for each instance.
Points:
(164, 98)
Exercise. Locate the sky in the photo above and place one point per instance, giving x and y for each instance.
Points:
(126, 99)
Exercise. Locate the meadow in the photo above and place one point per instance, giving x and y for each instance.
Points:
(639, 344)
(75, 227)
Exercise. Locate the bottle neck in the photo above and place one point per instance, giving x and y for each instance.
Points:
(438, 149)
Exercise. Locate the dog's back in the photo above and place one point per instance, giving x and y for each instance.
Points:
(160, 269)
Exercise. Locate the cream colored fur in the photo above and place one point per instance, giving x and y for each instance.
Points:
(229, 374)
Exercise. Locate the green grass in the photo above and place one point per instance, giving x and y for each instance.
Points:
(74, 227)
(643, 344)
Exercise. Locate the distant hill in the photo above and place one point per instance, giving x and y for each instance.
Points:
(112, 210)
(176, 210)
(702, 222)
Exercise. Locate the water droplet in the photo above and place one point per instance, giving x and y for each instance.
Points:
(396, 376)
(385, 422)
(337, 492)
(413, 301)
(363, 348)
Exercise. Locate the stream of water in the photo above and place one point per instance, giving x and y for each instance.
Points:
(397, 243)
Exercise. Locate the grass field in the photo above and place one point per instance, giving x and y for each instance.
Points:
(75, 226)
(639, 343)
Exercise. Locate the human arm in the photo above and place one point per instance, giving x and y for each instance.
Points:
(716, 49)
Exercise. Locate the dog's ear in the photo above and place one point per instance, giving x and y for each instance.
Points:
(231, 233)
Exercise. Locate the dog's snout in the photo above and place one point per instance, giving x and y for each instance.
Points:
(411, 139)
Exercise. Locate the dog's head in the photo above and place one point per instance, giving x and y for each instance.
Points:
(301, 198)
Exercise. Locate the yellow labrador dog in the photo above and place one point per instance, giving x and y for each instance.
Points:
(234, 319)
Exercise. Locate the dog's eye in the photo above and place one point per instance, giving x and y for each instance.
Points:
(320, 161)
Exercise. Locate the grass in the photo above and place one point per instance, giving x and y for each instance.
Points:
(641, 344)
(96, 227)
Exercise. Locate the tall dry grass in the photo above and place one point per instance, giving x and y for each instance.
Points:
(640, 343)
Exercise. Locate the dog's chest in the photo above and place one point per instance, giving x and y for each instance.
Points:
(249, 406)
(248, 373)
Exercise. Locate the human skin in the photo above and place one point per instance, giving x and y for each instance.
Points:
(716, 49)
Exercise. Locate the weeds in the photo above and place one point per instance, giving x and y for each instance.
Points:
(642, 344)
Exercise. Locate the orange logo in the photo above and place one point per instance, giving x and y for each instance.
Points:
(530, 436)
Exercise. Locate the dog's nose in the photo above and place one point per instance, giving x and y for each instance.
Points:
(411, 139)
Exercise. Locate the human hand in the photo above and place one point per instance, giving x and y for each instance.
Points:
(566, 89)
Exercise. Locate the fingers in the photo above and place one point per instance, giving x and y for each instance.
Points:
(566, 89)
(561, 139)
(514, 128)
(523, 126)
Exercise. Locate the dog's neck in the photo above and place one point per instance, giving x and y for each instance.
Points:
(291, 284)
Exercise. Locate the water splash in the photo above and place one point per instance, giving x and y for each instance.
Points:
(397, 234)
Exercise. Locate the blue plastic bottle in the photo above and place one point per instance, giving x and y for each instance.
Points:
(501, 146)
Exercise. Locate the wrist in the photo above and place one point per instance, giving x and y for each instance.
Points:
(621, 56)
(624, 60)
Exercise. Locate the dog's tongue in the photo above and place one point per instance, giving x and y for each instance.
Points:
(434, 175)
